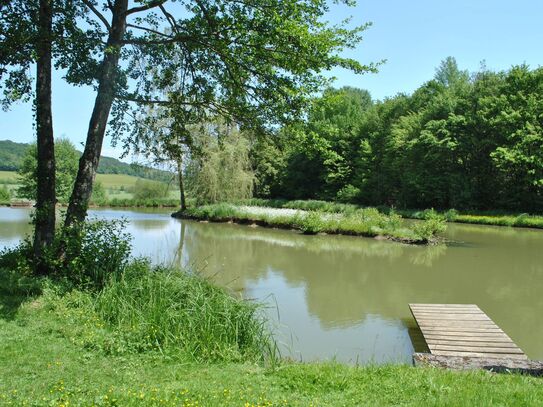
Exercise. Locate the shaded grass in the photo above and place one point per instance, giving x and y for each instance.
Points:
(40, 364)
(361, 222)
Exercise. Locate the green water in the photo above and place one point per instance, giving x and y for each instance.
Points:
(346, 297)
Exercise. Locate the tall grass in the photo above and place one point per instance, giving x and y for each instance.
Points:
(364, 222)
(118, 304)
(170, 310)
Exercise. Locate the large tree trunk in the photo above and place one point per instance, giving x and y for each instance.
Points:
(45, 199)
(181, 184)
(88, 164)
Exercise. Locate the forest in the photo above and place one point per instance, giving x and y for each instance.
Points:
(461, 140)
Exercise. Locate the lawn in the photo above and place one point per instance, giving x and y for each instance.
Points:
(40, 365)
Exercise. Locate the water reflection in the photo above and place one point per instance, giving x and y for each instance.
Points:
(346, 297)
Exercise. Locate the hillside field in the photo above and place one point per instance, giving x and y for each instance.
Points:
(118, 186)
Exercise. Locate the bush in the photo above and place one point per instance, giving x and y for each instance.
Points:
(451, 215)
(5, 194)
(146, 189)
(348, 194)
(311, 223)
(98, 252)
(99, 196)
(433, 224)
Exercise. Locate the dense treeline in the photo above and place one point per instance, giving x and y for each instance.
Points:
(468, 141)
(12, 155)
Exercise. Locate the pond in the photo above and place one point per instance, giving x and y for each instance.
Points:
(341, 297)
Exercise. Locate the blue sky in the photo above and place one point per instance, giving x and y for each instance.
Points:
(413, 36)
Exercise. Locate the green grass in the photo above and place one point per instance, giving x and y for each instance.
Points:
(495, 218)
(360, 222)
(9, 177)
(45, 362)
(115, 181)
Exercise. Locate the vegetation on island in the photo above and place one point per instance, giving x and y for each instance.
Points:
(367, 222)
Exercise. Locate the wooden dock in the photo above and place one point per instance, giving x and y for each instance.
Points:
(463, 330)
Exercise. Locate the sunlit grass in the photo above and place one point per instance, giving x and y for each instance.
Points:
(362, 222)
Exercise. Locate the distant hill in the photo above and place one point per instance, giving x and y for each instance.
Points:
(11, 155)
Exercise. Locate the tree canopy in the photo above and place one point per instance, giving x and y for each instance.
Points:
(460, 140)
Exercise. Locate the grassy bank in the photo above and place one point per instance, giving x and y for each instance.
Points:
(367, 222)
(495, 218)
(55, 349)
(109, 330)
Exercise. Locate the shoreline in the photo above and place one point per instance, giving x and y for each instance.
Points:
(290, 224)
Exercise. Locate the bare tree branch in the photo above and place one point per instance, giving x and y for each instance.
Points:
(148, 6)
(148, 30)
(103, 19)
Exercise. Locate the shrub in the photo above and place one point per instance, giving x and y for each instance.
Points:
(98, 251)
(310, 223)
(348, 193)
(5, 194)
(451, 215)
(99, 196)
(433, 224)
(146, 189)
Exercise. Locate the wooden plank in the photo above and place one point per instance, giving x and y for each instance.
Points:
(483, 334)
(446, 318)
(480, 343)
(478, 354)
(466, 338)
(447, 306)
(451, 314)
(459, 324)
(452, 311)
(482, 349)
(463, 330)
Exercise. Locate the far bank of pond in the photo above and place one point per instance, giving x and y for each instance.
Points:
(346, 297)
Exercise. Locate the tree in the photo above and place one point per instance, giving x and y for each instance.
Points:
(232, 58)
(221, 171)
(66, 170)
(27, 29)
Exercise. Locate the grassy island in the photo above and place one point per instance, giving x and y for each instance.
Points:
(367, 222)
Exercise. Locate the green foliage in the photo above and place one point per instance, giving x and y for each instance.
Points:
(11, 155)
(466, 141)
(98, 251)
(432, 225)
(348, 193)
(66, 157)
(173, 311)
(322, 217)
(311, 223)
(144, 189)
(99, 195)
(5, 194)
(222, 170)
